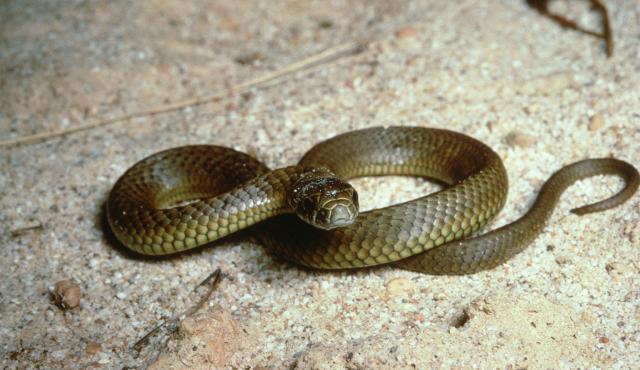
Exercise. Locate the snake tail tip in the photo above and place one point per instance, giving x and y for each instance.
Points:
(580, 211)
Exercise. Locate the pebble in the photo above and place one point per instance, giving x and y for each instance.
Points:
(531, 109)
(406, 32)
(439, 296)
(92, 348)
(104, 359)
(618, 270)
(66, 294)
(400, 286)
(596, 122)
(517, 138)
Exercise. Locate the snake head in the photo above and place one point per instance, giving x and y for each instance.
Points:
(325, 201)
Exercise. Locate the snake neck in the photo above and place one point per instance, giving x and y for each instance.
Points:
(284, 190)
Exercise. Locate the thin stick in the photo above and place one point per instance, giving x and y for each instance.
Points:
(606, 26)
(37, 225)
(212, 280)
(542, 7)
(325, 56)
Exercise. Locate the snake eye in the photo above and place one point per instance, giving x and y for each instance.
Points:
(322, 216)
(306, 210)
(308, 205)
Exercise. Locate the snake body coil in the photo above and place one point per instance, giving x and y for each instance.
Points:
(228, 191)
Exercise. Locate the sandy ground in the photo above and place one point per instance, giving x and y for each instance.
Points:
(540, 95)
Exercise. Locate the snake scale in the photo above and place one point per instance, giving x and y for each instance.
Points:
(189, 196)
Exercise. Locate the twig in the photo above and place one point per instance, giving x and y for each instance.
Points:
(606, 26)
(22, 230)
(142, 342)
(325, 56)
(212, 280)
(542, 6)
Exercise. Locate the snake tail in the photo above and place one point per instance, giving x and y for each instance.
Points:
(497, 246)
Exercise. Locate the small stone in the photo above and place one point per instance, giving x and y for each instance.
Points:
(439, 296)
(400, 286)
(92, 348)
(410, 62)
(618, 270)
(251, 58)
(603, 340)
(121, 295)
(531, 109)
(406, 32)
(596, 122)
(66, 294)
(326, 23)
(517, 138)
(104, 359)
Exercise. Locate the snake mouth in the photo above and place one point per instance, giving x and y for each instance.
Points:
(341, 216)
(336, 213)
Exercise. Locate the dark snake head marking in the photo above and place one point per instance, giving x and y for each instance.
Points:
(323, 200)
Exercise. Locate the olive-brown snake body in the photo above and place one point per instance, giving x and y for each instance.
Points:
(429, 234)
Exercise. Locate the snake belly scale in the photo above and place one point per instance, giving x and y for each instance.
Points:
(186, 197)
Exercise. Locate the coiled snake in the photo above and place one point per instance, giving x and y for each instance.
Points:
(186, 197)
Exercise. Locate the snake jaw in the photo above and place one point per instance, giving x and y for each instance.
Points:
(337, 211)
(340, 216)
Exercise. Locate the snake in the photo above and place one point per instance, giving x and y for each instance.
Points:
(186, 197)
